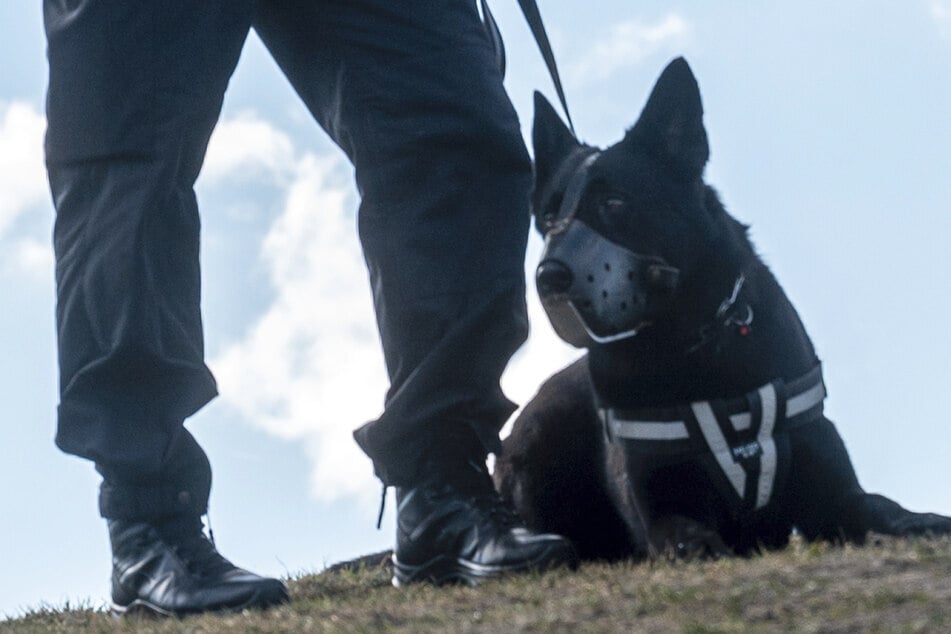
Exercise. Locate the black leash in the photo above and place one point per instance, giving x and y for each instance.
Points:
(534, 19)
(495, 36)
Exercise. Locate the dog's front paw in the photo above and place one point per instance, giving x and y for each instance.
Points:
(679, 538)
(882, 515)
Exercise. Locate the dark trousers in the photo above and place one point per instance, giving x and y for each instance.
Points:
(408, 90)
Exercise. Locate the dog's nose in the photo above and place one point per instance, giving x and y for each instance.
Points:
(552, 277)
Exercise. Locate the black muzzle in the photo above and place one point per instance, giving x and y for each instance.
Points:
(596, 291)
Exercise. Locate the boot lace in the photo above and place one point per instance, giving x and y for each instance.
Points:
(197, 550)
(485, 499)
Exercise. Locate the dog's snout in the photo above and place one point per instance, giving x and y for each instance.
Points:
(553, 277)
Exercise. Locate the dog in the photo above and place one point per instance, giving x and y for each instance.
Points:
(694, 425)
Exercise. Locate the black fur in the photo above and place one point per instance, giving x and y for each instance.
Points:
(647, 194)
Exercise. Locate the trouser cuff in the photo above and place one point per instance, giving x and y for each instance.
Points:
(178, 484)
(150, 503)
(405, 463)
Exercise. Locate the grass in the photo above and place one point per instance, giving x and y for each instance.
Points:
(889, 585)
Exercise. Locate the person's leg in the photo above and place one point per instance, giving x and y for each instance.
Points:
(134, 92)
(411, 93)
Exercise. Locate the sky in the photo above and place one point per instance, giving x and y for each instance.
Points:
(830, 136)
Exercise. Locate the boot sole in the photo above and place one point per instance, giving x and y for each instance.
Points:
(143, 608)
(444, 569)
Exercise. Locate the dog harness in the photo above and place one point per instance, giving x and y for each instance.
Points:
(742, 441)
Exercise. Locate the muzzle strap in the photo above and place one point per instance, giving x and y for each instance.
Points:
(572, 196)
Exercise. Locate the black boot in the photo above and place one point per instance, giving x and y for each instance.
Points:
(172, 569)
(453, 527)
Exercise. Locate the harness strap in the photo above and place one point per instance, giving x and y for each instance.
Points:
(803, 402)
(744, 440)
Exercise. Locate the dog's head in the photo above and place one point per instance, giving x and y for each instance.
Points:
(624, 227)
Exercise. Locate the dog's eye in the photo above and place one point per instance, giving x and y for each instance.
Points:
(611, 208)
(548, 221)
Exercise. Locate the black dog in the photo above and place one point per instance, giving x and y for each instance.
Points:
(694, 426)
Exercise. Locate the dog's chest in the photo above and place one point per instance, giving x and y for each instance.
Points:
(739, 445)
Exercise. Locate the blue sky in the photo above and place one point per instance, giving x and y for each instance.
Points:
(829, 133)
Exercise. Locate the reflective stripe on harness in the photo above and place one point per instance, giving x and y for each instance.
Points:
(739, 434)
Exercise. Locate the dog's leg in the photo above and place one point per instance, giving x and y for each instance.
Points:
(682, 538)
(830, 503)
(663, 512)
(655, 526)
(550, 468)
(886, 516)
(624, 480)
(824, 494)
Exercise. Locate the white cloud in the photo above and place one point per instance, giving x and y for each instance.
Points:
(22, 174)
(250, 147)
(310, 368)
(626, 45)
(31, 256)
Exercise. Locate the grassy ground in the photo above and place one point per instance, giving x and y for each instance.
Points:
(888, 586)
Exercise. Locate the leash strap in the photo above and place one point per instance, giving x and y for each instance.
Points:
(534, 19)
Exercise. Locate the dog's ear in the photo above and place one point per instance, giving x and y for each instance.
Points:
(551, 138)
(671, 124)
